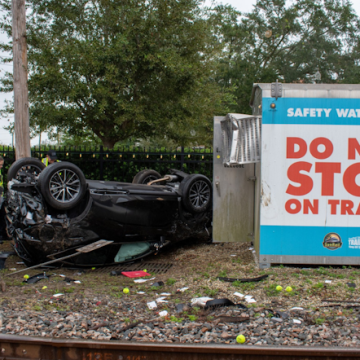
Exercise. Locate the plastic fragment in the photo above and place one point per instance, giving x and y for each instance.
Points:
(152, 305)
(163, 313)
(201, 301)
(57, 295)
(161, 300)
(182, 289)
(239, 294)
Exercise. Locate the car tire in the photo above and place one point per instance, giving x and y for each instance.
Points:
(147, 175)
(30, 165)
(63, 185)
(196, 191)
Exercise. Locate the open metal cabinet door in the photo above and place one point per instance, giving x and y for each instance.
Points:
(236, 150)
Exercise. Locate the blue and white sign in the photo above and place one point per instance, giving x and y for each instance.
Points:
(310, 197)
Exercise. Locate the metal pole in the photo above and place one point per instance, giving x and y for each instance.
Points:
(21, 104)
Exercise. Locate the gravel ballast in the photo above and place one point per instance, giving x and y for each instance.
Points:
(322, 308)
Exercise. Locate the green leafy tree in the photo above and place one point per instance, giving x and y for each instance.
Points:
(290, 43)
(121, 68)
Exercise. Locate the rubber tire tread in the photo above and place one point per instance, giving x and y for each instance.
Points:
(140, 177)
(44, 180)
(185, 186)
(18, 164)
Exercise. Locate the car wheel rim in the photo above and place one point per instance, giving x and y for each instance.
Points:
(199, 194)
(64, 186)
(29, 169)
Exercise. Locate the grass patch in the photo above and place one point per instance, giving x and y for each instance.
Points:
(170, 281)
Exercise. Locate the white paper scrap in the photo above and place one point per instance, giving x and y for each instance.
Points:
(141, 292)
(152, 305)
(57, 295)
(165, 294)
(233, 255)
(139, 281)
(296, 321)
(251, 301)
(77, 282)
(296, 308)
(161, 300)
(327, 281)
(239, 294)
(201, 301)
(61, 275)
(163, 313)
(251, 248)
(182, 289)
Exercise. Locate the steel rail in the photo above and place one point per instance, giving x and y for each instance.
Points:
(22, 347)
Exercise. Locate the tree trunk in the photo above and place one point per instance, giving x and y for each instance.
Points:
(21, 103)
(108, 143)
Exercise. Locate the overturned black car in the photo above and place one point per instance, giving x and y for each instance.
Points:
(52, 212)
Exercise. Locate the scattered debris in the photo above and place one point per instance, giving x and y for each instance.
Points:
(222, 302)
(239, 294)
(351, 285)
(139, 281)
(259, 278)
(161, 300)
(181, 308)
(201, 301)
(327, 281)
(152, 305)
(135, 274)
(182, 289)
(249, 299)
(3, 256)
(157, 284)
(57, 295)
(34, 279)
(163, 313)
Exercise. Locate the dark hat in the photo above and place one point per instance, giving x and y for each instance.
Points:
(52, 154)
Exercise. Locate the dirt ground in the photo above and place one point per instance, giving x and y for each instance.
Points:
(196, 266)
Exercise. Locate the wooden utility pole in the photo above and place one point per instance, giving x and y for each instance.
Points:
(21, 102)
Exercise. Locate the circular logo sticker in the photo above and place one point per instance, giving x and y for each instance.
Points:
(332, 241)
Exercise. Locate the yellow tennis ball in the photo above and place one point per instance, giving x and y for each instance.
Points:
(26, 276)
(240, 339)
(126, 291)
(288, 289)
(144, 270)
(93, 268)
(279, 288)
(44, 287)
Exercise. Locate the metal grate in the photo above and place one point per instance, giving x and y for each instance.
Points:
(241, 139)
(157, 268)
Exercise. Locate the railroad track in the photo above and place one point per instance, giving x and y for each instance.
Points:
(22, 347)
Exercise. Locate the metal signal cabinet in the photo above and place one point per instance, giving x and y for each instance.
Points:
(306, 195)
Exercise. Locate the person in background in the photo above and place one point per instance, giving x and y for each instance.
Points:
(2, 211)
(50, 158)
(1, 180)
